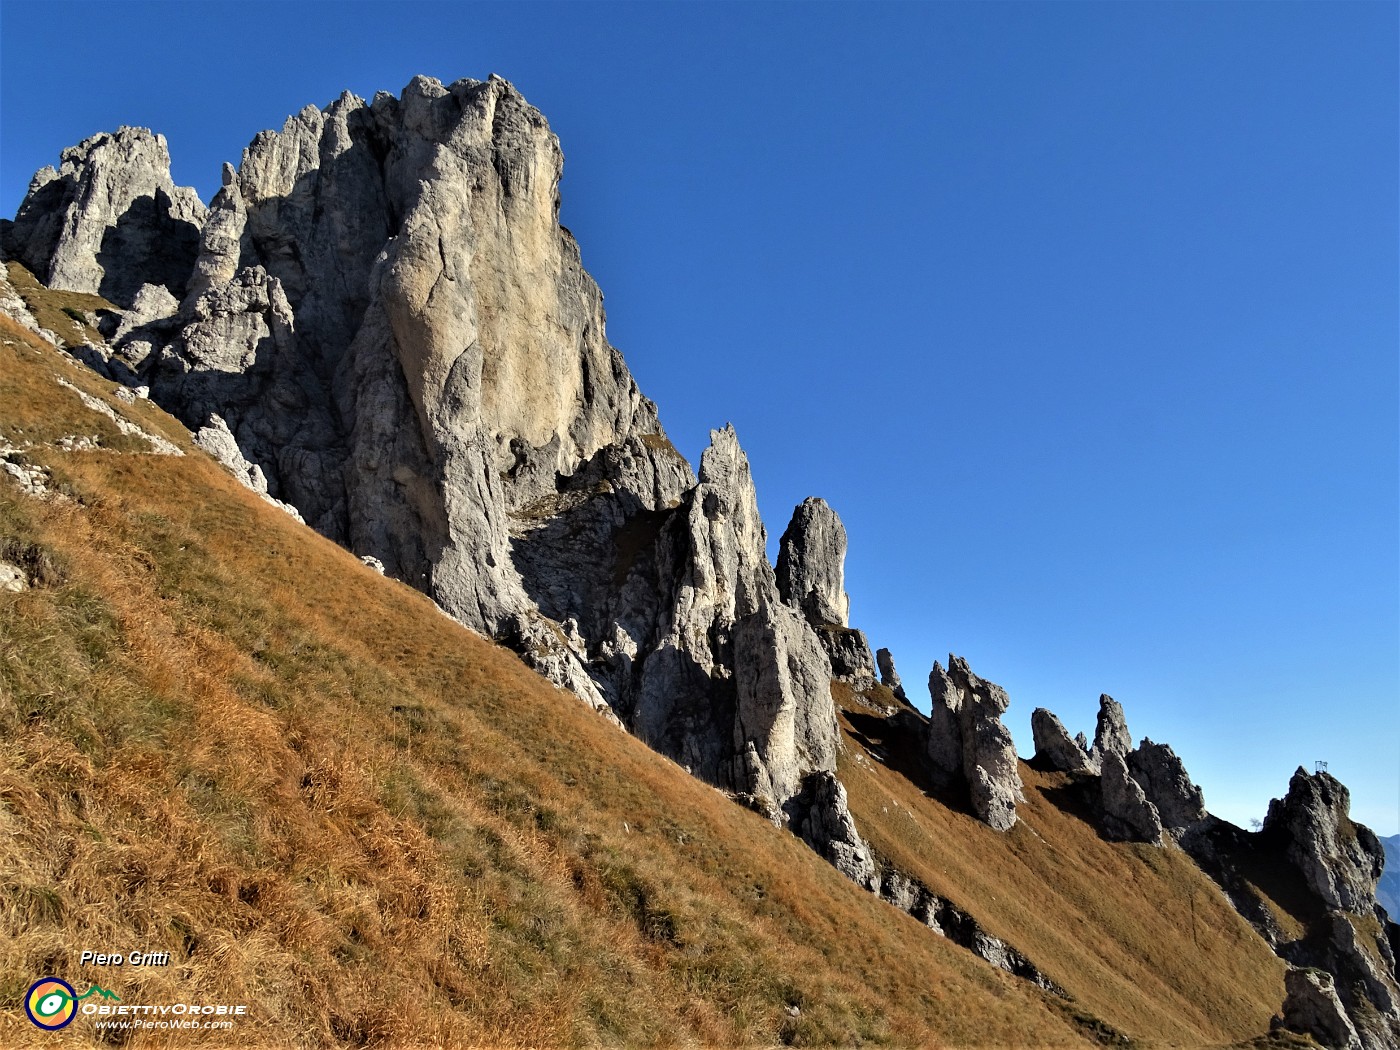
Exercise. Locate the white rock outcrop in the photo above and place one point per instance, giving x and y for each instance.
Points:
(968, 743)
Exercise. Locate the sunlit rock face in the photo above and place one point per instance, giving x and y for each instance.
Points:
(811, 575)
(109, 220)
(968, 743)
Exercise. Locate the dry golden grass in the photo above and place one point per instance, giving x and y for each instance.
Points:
(33, 409)
(1137, 935)
(223, 737)
(63, 313)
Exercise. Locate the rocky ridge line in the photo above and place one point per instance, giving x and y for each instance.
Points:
(379, 323)
(1343, 987)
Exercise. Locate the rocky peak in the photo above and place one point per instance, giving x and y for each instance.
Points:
(968, 743)
(811, 574)
(811, 564)
(1340, 861)
(725, 519)
(1112, 731)
(110, 219)
(220, 247)
(889, 677)
(1163, 779)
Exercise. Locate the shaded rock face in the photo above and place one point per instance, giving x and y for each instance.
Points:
(1127, 813)
(1054, 747)
(811, 564)
(1164, 782)
(968, 743)
(1111, 733)
(110, 219)
(1312, 1007)
(889, 677)
(810, 575)
(849, 653)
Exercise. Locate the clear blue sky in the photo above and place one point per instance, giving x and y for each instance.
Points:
(1084, 317)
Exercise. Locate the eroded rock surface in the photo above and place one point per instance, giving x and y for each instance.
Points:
(1165, 783)
(811, 564)
(811, 578)
(1312, 1007)
(1340, 861)
(827, 826)
(967, 741)
(1055, 748)
(109, 219)
(1127, 813)
(889, 677)
(1111, 734)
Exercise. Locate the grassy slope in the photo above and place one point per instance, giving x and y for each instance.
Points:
(222, 736)
(1136, 934)
(51, 308)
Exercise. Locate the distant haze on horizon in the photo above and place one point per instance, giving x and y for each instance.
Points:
(1082, 316)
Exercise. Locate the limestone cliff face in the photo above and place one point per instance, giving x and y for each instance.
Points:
(452, 342)
(380, 322)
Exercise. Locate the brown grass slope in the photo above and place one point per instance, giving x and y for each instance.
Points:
(1138, 935)
(223, 737)
(67, 315)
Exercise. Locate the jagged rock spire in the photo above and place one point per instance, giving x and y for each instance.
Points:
(1112, 731)
(811, 564)
(967, 741)
(889, 677)
(811, 575)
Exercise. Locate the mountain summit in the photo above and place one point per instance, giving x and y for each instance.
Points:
(379, 326)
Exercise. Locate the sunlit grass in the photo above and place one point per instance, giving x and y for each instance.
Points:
(223, 737)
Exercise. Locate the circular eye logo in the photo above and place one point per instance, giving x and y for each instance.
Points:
(50, 1003)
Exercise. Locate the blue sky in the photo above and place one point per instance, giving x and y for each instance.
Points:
(1083, 316)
